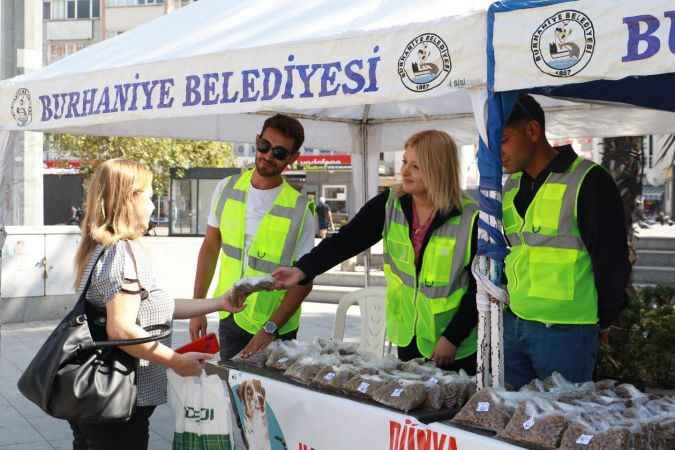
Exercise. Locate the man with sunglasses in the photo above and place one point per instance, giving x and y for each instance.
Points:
(257, 223)
(568, 268)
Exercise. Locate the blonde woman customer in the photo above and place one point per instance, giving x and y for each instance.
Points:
(118, 211)
(428, 230)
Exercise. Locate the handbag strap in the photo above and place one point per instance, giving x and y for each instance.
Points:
(122, 342)
(83, 293)
(166, 330)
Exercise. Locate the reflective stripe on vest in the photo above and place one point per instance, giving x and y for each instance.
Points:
(549, 271)
(273, 245)
(423, 306)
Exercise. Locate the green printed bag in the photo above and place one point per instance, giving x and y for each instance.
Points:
(201, 407)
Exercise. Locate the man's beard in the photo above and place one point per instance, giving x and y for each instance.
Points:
(266, 170)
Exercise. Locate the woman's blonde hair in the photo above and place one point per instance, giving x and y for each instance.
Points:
(439, 163)
(110, 215)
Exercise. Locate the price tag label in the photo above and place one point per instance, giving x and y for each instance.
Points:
(584, 439)
(483, 407)
(363, 387)
(528, 423)
(329, 376)
(282, 360)
(397, 393)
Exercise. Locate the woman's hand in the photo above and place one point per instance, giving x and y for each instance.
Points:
(233, 305)
(190, 364)
(444, 352)
(288, 277)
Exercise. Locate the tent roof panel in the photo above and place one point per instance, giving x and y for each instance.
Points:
(213, 26)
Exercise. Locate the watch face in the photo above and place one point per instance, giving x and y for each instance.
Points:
(270, 327)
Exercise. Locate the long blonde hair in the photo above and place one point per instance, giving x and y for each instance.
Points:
(439, 163)
(110, 213)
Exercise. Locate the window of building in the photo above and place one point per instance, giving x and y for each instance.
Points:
(58, 9)
(83, 9)
(336, 198)
(133, 2)
(71, 9)
(71, 6)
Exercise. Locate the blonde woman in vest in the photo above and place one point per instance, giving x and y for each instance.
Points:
(429, 233)
(118, 209)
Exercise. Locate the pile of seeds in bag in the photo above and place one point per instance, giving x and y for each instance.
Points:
(557, 414)
(333, 366)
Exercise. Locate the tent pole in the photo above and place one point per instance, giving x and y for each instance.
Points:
(484, 373)
(364, 149)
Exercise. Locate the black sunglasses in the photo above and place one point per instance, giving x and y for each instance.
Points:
(264, 146)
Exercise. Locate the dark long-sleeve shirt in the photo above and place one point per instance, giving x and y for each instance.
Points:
(365, 230)
(600, 218)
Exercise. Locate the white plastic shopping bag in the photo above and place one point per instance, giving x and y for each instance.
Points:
(201, 406)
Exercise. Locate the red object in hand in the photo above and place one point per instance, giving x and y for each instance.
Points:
(206, 344)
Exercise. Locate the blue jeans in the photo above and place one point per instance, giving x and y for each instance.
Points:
(534, 350)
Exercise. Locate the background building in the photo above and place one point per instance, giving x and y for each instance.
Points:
(67, 27)
(70, 25)
(20, 163)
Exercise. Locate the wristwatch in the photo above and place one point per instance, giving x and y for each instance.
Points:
(270, 328)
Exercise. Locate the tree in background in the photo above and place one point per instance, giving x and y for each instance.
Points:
(641, 345)
(161, 155)
(622, 157)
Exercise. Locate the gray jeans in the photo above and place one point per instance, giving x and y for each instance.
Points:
(233, 338)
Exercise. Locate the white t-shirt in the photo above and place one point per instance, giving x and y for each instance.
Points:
(258, 202)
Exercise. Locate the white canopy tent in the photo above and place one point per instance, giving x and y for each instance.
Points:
(245, 38)
(260, 43)
(359, 74)
(230, 64)
(344, 68)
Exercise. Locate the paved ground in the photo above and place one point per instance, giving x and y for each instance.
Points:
(24, 426)
(174, 262)
(665, 231)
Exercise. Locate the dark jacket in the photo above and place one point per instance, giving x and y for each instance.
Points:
(600, 218)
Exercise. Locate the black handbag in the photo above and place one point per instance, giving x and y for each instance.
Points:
(79, 375)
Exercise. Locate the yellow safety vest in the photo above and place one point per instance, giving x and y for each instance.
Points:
(273, 245)
(423, 306)
(549, 271)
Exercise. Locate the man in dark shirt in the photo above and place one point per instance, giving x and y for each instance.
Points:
(568, 266)
(325, 217)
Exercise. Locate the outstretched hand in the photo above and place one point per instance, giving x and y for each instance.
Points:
(288, 277)
(234, 303)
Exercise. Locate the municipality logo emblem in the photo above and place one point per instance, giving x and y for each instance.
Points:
(21, 108)
(425, 63)
(563, 44)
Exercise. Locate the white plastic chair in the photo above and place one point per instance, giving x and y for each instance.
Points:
(371, 302)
